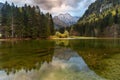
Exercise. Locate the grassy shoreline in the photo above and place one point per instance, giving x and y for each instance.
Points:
(81, 37)
(13, 39)
(56, 38)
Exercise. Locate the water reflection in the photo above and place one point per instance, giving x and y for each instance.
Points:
(25, 55)
(64, 66)
(102, 56)
(63, 42)
(59, 60)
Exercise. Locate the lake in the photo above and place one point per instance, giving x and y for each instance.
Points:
(89, 59)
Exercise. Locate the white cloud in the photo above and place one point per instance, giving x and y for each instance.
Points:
(75, 7)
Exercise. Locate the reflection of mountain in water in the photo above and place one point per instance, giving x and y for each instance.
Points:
(71, 57)
(66, 64)
(75, 63)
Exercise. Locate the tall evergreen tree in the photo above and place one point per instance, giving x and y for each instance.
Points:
(25, 22)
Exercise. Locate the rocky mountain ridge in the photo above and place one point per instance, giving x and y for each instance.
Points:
(64, 20)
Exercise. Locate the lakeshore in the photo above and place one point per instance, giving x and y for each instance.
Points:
(82, 37)
(56, 38)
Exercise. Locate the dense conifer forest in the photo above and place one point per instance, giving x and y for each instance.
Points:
(102, 19)
(25, 22)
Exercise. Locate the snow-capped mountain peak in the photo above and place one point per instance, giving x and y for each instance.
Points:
(67, 19)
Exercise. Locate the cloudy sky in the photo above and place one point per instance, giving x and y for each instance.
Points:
(55, 7)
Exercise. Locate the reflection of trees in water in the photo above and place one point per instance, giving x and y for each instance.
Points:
(27, 64)
(62, 42)
(98, 54)
(25, 55)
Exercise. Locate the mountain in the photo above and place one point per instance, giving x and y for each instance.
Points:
(59, 23)
(101, 19)
(64, 20)
(1, 4)
(67, 18)
(100, 5)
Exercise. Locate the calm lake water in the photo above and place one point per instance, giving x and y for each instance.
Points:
(95, 59)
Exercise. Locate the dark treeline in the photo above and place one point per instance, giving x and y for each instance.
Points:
(25, 22)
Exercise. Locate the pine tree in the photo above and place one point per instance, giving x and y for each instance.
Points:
(25, 22)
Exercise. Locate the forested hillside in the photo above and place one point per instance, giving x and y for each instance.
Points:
(25, 22)
(102, 19)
